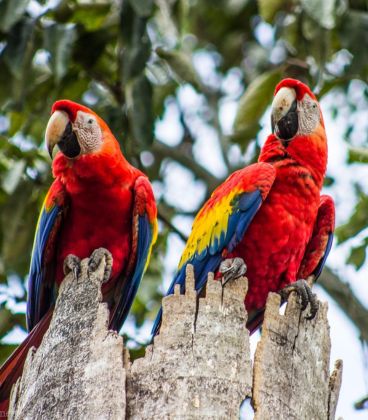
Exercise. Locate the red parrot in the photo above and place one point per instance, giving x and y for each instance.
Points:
(269, 215)
(97, 201)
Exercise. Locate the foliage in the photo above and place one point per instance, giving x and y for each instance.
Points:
(130, 61)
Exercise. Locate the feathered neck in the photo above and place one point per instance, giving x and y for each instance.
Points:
(309, 152)
(106, 167)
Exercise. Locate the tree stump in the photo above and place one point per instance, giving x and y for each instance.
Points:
(199, 366)
(77, 372)
(291, 366)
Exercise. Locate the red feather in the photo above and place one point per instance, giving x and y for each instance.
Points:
(300, 88)
(98, 194)
(287, 234)
(276, 240)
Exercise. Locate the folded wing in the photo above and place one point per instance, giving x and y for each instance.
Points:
(222, 223)
(144, 235)
(41, 281)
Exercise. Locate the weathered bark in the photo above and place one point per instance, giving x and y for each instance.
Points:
(77, 372)
(291, 366)
(198, 367)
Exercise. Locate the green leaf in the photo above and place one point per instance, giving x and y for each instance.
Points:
(357, 255)
(253, 104)
(136, 58)
(19, 49)
(181, 64)
(89, 47)
(352, 35)
(6, 86)
(13, 176)
(358, 154)
(139, 99)
(136, 353)
(16, 121)
(357, 222)
(137, 45)
(59, 40)
(8, 320)
(5, 351)
(91, 16)
(324, 12)
(18, 218)
(11, 11)
(142, 8)
(269, 8)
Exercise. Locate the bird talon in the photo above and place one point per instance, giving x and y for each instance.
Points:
(72, 264)
(95, 260)
(231, 269)
(305, 294)
(314, 306)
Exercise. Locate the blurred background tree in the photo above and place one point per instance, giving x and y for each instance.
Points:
(185, 86)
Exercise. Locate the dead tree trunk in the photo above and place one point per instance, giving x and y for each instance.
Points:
(198, 367)
(291, 366)
(77, 372)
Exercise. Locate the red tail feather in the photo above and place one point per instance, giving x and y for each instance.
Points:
(12, 368)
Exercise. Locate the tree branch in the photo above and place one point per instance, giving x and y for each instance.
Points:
(165, 219)
(342, 294)
(163, 150)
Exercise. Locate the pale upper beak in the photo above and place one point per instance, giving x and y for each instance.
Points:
(284, 117)
(60, 131)
(55, 129)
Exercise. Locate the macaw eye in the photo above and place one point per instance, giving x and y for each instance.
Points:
(90, 121)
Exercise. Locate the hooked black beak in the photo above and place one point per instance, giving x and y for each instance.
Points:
(60, 132)
(68, 143)
(287, 126)
(284, 117)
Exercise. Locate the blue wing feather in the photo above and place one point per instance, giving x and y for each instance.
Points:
(129, 290)
(144, 226)
(318, 270)
(244, 209)
(40, 295)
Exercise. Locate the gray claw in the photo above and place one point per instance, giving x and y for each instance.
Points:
(95, 260)
(231, 269)
(72, 264)
(302, 289)
(314, 305)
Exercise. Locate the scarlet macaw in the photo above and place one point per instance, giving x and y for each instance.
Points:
(97, 200)
(269, 215)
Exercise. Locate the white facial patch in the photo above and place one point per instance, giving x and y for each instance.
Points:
(308, 115)
(88, 132)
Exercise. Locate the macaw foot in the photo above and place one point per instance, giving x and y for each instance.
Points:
(302, 289)
(231, 269)
(95, 260)
(72, 264)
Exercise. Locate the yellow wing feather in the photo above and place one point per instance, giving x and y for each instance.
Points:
(210, 223)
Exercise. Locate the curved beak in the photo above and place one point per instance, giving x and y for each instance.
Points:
(55, 129)
(59, 131)
(284, 117)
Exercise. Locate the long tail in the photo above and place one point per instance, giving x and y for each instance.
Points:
(12, 368)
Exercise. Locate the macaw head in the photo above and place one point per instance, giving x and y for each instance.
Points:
(295, 111)
(75, 129)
